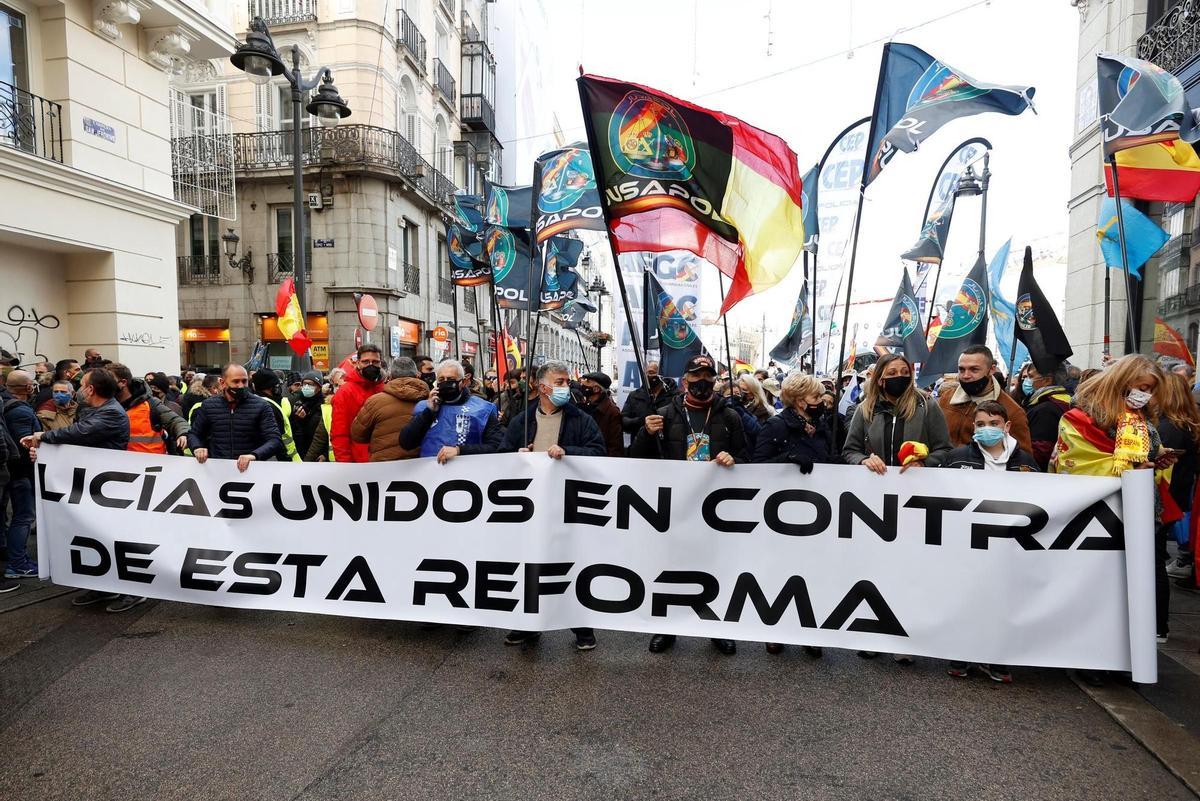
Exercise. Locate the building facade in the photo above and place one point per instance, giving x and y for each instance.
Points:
(87, 215)
(1167, 33)
(378, 187)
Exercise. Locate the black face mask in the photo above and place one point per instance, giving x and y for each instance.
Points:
(238, 393)
(896, 385)
(372, 372)
(448, 391)
(976, 387)
(429, 379)
(656, 383)
(814, 411)
(701, 389)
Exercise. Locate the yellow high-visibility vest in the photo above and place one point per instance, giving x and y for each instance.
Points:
(289, 445)
(327, 418)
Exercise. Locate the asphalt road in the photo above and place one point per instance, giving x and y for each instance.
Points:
(172, 701)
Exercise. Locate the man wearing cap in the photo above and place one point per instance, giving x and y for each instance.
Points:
(695, 426)
(645, 400)
(269, 386)
(594, 387)
(308, 406)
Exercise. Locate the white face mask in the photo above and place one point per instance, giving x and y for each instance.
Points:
(1136, 399)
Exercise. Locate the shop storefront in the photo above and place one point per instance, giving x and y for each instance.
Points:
(405, 337)
(205, 349)
(279, 353)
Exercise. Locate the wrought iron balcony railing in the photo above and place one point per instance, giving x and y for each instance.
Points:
(445, 290)
(281, 12)
(201, 271)
(1181, 301)
(477, 113)
(412, 279)
(444, 81)
(410, 38)
(279, 267)
(1174, 40)
(30, 123)
(364, 145)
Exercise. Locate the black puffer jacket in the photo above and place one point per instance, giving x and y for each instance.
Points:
(785, 438)
(231, 431)
(724, 431)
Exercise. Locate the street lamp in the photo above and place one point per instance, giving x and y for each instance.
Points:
(229, 241)
(260, 60)
(601, 290)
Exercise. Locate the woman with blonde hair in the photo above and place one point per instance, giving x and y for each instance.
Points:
(755, 399)
(896, 424)
(801, 434)
(1111, 429)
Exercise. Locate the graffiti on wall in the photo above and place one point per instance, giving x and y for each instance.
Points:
(145, 339)
(21, 330)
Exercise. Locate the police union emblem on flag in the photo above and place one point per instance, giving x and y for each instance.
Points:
(649, 139)
(1025, 317)
(908, 318)
(672, 324)
(965, 312)
(497, 206)
(564, 180)
(501, 252)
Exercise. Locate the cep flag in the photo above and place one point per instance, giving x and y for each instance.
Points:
(808, 201)
(917, 94)
(1037, 324)
(679, 341)
(675, 176)
(566, 192)
(1140, 103)
(902, 329)
(964, 324)
(798, 339)
(508, 206)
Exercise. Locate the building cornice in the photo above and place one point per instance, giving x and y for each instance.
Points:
(381, 291)
(20, 166)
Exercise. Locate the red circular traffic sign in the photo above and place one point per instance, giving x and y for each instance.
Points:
(368, 312)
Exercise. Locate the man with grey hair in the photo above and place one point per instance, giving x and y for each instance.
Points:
(1185, 370)
(451, 421)
(554, 426)
(382, 418)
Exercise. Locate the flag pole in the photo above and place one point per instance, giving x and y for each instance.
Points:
(482, 355)
(457, 335)
(612, 245)
(1133, 332)
(812, 311)
(862, 193)
(725, 322)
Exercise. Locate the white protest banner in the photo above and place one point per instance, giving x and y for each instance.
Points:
(1006, 568)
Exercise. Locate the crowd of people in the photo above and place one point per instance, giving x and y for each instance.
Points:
(1134, 413)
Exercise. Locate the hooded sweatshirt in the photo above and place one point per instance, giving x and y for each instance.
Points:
(383, 416)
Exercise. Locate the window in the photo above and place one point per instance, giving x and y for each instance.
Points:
(14, 64)
(443, 151)
(407, 121)
(1171, 283)
(442, 42)
(204, 236)
(1193, 335)
(205, 109)
(284, 238)
(1173, 219)
(408, 243)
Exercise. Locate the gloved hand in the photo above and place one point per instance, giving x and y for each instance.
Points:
(804, 463)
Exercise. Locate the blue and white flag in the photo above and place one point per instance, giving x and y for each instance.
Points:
(1143, 236)
(1004, 313)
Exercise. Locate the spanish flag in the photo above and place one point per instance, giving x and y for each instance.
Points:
(675, 176)
(1164, 171)
(290, 318)
(1169, 342)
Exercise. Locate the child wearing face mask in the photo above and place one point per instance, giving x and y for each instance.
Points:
(992, 447)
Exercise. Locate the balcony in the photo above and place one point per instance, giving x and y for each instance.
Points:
(479, 86)
(1184, 301)
(369, 147)
(444, 82)
(200, 271)
(30, 123)
(445, 290)
(411, 41)
(412, 279)
(279, 267)
(1175, 39)
(283, 12)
